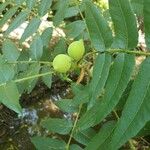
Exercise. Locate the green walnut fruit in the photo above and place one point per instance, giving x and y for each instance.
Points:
(62, 63)
(76, 50)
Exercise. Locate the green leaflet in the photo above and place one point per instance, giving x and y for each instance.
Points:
(60, 14)
(46, 79)
(75, 28)
(9, 96)
(145, 131)
(84, 136)
(71, 11)
(36, 48)
(136, 112)
(24, 56)
(46, 36)
(81, 97)
(67, 105)
(125, 95)
(100, 74)
(8, 15)
(6, 73)
(44, 6)
(19, 2)
(3, 5)
(45, 143)
(75, 147)
(137, 6)
(56, 125)
(99, 31)
(32, 70)
(30, 3)
(17, 21)
(10, 51)
(117, 81)
(126, 34)
(60, 48)
(101, 136)
(31, 28)
(147, 22)
(28, 85)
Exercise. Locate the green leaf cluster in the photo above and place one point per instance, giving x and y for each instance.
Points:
(98, 120)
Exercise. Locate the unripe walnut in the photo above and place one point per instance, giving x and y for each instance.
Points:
(76, 50)
(62, 63)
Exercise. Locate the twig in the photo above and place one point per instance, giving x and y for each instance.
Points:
(127, 52)
(73, 128)
(28, 78)
(28, 62)
(80, 78)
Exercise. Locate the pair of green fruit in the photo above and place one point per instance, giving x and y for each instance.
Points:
(62, 62)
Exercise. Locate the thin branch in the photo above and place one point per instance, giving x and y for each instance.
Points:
(73, 128)
(126, 51)
(80, 78)
(112, 51)
(28, 62)
(30, 77)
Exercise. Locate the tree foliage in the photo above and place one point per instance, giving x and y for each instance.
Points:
(111, 40)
